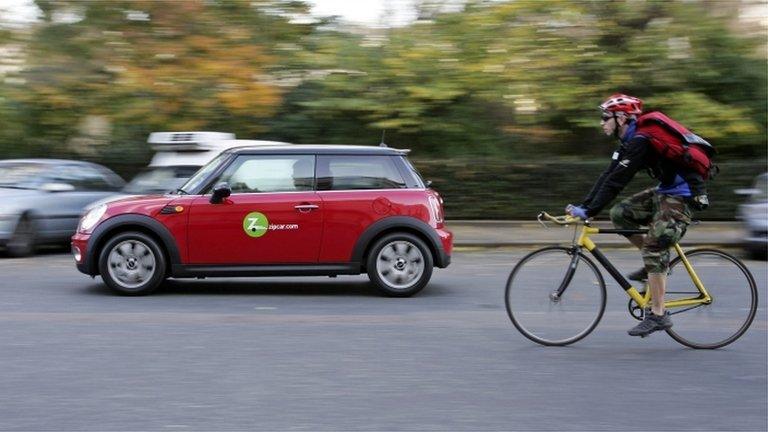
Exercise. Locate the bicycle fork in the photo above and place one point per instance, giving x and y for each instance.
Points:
(558, 293)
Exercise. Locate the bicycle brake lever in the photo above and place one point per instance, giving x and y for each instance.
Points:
(539, 217)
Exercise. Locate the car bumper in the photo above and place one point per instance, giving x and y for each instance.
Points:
(446, 241)
(79, 246)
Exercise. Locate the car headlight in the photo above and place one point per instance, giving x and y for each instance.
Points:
(91, 218)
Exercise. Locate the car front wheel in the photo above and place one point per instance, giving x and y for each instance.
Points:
(22, 243)
(399, 264)
(132, 263)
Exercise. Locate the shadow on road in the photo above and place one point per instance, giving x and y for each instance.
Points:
(254, 287)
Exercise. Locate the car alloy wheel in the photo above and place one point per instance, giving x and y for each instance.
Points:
(400, 264)
(132, 263)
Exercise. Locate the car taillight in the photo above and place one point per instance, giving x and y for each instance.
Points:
(437, 208)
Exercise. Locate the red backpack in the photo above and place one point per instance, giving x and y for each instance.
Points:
(674, 142)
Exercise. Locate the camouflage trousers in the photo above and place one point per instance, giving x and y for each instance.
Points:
(667, 218)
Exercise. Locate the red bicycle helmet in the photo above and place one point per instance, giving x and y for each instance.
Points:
(622, 103)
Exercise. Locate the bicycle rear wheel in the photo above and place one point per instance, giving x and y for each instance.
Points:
(734, 299)
(555, 321)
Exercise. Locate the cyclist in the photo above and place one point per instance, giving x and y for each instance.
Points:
(664, 209)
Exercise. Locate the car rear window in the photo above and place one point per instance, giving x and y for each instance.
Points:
(341, 172)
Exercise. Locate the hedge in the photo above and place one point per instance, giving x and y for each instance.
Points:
(496, 189)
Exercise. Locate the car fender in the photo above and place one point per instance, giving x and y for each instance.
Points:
(400, 223)
(102, 233)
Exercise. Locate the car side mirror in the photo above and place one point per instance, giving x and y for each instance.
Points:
(57, 187)
(429, 183)
(220, 191)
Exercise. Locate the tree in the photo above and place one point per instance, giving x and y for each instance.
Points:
(155, 65)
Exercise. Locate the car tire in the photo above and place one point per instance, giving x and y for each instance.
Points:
(399, 264)
(132, 263)
(22, 242)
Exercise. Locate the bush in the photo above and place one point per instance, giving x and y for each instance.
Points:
(494, 189)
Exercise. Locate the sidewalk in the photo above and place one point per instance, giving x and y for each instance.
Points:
(479, 233)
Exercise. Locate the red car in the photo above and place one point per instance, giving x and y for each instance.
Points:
(301, 210)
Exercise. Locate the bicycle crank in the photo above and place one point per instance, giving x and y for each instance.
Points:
(635, 310)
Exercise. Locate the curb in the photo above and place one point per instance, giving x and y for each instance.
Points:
(604, 245)
(491, 234)
(460, 223)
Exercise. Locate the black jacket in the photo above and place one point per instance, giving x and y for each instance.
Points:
(636, 154)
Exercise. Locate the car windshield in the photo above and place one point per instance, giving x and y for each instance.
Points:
(197, 180)
(21, 175)
(160, 179)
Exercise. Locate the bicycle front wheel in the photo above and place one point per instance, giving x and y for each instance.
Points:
(734, 299)
(538, 313)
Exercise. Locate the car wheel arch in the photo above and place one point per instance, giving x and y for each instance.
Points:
(391, 225)
(132, 222)
(25, 215)
(28, 214)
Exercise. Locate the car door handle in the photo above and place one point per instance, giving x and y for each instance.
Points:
(306, 207)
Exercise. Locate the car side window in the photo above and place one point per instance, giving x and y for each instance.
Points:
(81, 177)
(352, 172)
(64, 174)
(270, 173)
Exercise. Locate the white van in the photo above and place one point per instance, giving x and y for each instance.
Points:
(179, 155)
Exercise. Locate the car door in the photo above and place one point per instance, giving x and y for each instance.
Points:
(273, 216)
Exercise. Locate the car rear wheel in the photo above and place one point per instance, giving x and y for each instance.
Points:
(22, 243)
(132, 263)
(399, 264)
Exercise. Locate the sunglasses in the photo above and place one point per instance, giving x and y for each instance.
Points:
(606, 117)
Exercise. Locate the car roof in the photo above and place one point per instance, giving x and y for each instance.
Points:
(250, 143)
(42, 161)
(319, 149)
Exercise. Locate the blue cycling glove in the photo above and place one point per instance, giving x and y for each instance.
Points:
(577, 211)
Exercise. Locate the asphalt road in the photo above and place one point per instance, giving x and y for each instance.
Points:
(331, 354)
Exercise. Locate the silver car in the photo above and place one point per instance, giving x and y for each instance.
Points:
(41, 200)
(754, 213)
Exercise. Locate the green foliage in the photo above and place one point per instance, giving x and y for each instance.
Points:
(526, 77)
(495, 189)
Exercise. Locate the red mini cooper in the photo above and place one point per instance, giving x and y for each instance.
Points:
(275, 211)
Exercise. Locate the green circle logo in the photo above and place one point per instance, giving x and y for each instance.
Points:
(255, 224)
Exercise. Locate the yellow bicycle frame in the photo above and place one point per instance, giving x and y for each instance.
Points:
(644, 299)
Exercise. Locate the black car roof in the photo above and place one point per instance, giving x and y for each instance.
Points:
(325, 149)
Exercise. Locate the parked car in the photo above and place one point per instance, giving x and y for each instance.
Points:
(754, 214)
(178, 155)
(275, 211)
(41, 200)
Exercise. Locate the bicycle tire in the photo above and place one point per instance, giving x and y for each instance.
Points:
(520, 289)
(712, 326)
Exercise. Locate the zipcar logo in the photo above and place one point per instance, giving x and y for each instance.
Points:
(255, 224)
